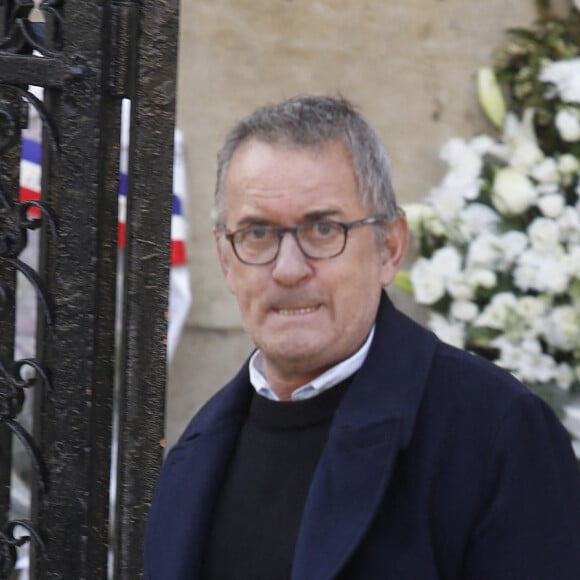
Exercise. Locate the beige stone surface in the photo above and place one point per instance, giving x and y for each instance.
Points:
(205, 360)
(409, 65)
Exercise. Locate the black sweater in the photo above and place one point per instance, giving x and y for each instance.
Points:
(259, 509)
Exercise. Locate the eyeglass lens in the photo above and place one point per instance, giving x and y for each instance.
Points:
(259, 244)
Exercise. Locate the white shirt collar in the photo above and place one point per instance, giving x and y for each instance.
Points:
(321, 383)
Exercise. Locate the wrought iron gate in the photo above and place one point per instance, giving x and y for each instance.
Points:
(88, 55)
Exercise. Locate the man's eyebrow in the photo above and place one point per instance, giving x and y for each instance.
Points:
(320, 215)
(312, 216)
(252, 221)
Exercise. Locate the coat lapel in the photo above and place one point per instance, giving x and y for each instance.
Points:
(189, 483)
(372, 424)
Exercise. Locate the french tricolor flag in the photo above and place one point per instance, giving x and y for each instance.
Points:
(30, 172)
(30, 189)
(179, 288)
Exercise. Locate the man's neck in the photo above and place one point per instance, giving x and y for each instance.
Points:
(283, 386)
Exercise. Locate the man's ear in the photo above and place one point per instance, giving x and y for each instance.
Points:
(394, 248)
(225, 256)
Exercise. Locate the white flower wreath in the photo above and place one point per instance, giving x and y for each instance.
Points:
(499, 238)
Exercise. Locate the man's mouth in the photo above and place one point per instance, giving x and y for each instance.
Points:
(296, 311)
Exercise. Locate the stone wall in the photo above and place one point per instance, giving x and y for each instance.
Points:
(410, 66)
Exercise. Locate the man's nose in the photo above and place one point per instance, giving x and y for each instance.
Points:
(291, 266)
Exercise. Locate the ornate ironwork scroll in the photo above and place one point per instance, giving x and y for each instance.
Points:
(87, 55)
(13, 237)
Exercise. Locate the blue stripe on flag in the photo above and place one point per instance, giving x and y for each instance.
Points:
(32, 151)
(176, 210)
(122, 184)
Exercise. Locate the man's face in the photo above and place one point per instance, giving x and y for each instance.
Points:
(304, 315)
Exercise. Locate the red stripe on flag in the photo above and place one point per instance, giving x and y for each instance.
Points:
(121, 234)
(30, 195)
(178, 253)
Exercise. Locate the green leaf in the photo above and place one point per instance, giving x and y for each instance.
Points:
(490, 96)
(403, 281)
(481, 335)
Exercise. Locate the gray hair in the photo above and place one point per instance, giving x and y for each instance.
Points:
(310, 121)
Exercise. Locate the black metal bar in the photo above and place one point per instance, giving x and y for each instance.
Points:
(147, 271)
(75, 418)
(9, 171)
(20, 70)
(94, 53)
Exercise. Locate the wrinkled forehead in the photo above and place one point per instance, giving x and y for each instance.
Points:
(284, 161)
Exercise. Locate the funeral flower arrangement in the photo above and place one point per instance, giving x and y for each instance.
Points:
(499, 238)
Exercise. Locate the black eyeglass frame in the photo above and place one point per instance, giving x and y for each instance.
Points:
(281, 230)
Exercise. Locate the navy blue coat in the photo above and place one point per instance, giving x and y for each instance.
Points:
(438, 465)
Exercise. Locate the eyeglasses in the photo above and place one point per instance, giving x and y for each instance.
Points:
(258, 245)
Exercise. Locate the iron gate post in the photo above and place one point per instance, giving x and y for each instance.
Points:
(89, 54)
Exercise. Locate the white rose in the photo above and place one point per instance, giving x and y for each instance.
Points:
(447, 201)
(572, 262)
(447, 261)
(450, 332)
(531, 310)
(547, 188)
(464, 310)
(546, 171)
(569, 224)
(464, 168)
(568, 124)
(534, 365)
(499, 310)
(461, 158)
(475, 218)
(485, 251)
(428, 284)
(568, 164)
(530, 307)
(513, 243)
(513, 193)
(565, 75)
(418, 215)
(552, 205)
(544, 235)
(461, 286)
(481, 277)
(544, 272)
(526, 155)
(525, 359)
(552, 276)
(482, 144)
(525, 272)
(561, 328)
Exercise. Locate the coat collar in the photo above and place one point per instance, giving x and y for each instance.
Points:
(186, 491)
(375, 419)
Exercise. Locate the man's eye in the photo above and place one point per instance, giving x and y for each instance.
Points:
(324, 229)
(256, 233)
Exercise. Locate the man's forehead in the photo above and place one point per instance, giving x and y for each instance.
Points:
(263, 171)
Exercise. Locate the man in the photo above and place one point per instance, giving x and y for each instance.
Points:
(353, 444)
